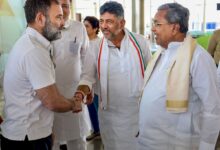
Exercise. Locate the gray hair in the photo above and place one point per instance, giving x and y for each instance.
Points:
(112, 7)
(176, 13)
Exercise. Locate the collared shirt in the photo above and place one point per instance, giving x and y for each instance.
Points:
(29, 68)
(197, 128)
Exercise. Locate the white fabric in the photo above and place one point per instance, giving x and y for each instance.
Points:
(94, 44)
(218, 75)
(199, 126)
(69, 53)
(119, 123)
(29, 67)
(130, 59)
(77, 144)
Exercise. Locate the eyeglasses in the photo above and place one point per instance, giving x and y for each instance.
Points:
(158, 24)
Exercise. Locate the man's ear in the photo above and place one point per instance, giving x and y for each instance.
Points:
(122, 23)
(176, 28)
(40, 19)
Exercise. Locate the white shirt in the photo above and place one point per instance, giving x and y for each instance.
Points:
(69, 54)
(29, 68)
(195, 129)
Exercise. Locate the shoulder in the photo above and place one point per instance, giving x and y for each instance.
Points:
(76, 24)
(201, 54)
(140, 39)
(217, 32)
(137, 36)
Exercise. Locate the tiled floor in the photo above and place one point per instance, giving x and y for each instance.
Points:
(95, 144)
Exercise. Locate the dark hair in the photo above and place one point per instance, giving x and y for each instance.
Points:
(112, 7)
(176, 13)
(93, 21)
(32, 7)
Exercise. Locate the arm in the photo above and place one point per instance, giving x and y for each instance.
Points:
(147, 52)
(218, 75)
(54, 101)
(85, 44)
(40, 73)
(88, 76)
(145, 47)
(204, 83)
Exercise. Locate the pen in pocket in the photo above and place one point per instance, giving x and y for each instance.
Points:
(75, 40)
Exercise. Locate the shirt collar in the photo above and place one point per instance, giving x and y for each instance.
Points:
(39, 38)
(110, 44)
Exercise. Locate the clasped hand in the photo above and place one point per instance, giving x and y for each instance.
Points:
(80, 98)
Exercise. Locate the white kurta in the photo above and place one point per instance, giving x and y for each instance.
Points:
(93, 45)
(69, 52)
(218, 75)
(196, 129)
(119, 122)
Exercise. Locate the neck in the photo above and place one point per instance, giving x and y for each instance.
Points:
(92, 37)
(37, 28)
(177, 38)
(118, 39)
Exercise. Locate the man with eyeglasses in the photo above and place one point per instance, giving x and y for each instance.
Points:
(69, 55)
(180, 104)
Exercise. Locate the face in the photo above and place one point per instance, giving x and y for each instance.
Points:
(110, 25)
(66, 9)
(90, 31)
(54, 23)
(163, 30)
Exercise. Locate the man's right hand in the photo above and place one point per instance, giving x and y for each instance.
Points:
(77, 104)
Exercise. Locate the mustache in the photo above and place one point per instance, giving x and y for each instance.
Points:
(103, 30)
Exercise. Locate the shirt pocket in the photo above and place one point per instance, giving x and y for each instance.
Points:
(74, 47)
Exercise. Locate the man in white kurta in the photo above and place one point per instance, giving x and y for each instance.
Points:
(196, 128)
(69, 54)
(119, 68)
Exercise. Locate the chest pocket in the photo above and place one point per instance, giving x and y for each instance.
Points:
(74, 48)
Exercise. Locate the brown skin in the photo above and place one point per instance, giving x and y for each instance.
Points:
(112, 28)
(66, 9)
(50, 96)
(166, 32)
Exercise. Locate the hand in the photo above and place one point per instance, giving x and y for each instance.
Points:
(86, 99)
(77, 104)
(89, 98)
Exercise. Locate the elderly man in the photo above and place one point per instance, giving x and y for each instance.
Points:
(30, 91)
(180, 104)
(119, 64)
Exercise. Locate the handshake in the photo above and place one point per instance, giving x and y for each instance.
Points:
(79, 99)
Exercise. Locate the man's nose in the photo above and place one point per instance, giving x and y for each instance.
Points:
(153, 29)
(104, 25)
(62, 23)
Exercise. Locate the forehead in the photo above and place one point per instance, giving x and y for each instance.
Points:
(160, 15)
(108, 15)
(55, 9)
(65, 2)
(87, 23)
